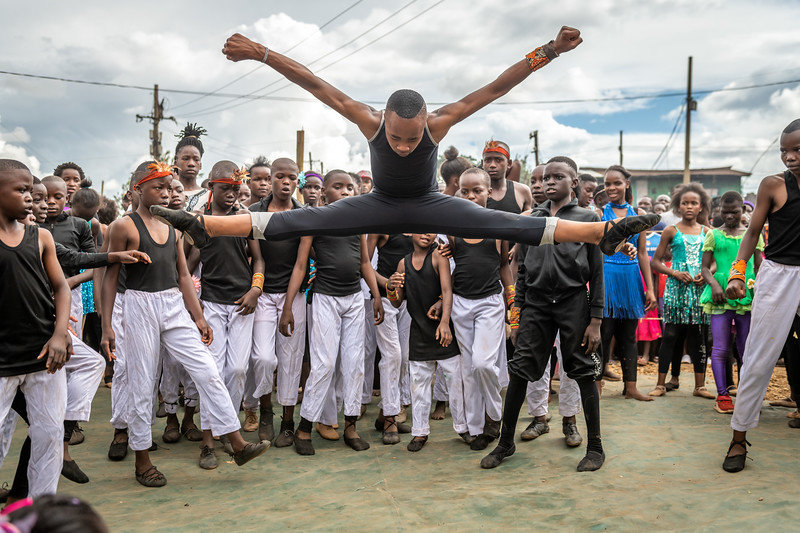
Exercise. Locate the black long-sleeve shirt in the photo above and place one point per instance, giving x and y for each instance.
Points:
(71, 260)
(556, 271)
(72, 232)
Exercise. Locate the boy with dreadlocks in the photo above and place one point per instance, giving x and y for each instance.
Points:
(161, 307)
(189, 160)
(229, 290)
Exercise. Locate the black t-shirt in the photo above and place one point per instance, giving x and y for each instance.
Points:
(477, 272)
(162, 273)
(27, 313)
(338, 265)
(279, 256)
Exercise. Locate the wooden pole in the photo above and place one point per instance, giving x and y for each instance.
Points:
(691, 105)
(301, 135)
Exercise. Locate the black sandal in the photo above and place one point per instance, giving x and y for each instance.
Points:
(616, 232)
(151, 478)
(736, 463)
(192, 225)
(358, 444)
(417, 443)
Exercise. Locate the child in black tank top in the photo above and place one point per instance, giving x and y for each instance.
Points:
(337, 324)
(422, 278)
(33, 328)
(161, 306)
(479, 313)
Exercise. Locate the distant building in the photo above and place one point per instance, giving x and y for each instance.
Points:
(655, 182)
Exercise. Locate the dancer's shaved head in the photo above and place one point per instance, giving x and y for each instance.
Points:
(406, 103)
(792, 127)
(283, 162)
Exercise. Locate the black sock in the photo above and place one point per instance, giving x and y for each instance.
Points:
(515, 397)
(69, 428)
(591, 412)
(350, 419)
(304, 425)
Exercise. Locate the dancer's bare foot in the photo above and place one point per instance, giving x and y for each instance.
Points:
(632, 393)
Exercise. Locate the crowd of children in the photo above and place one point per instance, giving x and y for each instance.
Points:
(450, 320)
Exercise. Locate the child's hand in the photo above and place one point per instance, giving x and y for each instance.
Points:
(108, 345)
(513, 336)
(649, 300)
(683, 277)
(445, 250)
(377, 311)
(435, 312)
(717, 294)
(630, 250)
(591, 337)
(206, 335)
(736, 289)
(57, 349)
(396, 281)
(286, 324)
(443, 335)
(247, 303)
(699, 281)
(512, 253)
(129, 257)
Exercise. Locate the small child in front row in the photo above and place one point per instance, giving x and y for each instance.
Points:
(161, 307)
(720, 247)
(337, 321)
(422, 277)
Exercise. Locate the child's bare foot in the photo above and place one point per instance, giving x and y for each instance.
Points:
(438, 413)
(643, 361)
(632, 393)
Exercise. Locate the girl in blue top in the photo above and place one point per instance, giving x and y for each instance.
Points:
(626, 302)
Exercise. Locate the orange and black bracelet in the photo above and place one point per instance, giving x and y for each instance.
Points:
(513, 317)
(738, 269)
(258, 281)
(541, 56)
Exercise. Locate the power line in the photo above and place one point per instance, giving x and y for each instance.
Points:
(222, 105)
(763, 154)
(646, 96)
(669, 139)
(309, 36)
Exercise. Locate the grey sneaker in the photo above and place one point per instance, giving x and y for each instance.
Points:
(571, 435)
(208, 460)
(535, 429)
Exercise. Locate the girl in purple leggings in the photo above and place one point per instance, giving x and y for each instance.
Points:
(720, 247)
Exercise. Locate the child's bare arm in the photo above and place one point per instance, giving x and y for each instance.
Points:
(186, 286)
(286, 324)
(396, 283)
(58, 348)
(368, 273)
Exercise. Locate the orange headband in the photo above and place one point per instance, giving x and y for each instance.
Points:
(159, 169)
(494, 146)
(236, 178)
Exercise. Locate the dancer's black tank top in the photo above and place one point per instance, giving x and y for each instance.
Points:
(279, 256)
(162, 273)
(783, 245)
(338, 265)
(390, 254)
(422, 290)
(508, 203)
(404, 177)
(27, 315)
(226, 272)
(477, 272)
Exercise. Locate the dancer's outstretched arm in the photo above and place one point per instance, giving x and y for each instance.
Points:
(441, 120)
(239, 48)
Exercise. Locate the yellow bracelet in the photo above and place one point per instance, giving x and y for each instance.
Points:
(258, 281)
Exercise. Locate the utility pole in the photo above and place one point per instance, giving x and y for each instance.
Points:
(301, 137)
(311, 161)
(535, 136)
(102, 186)
(156, 117)
(691, 105)
(620, 147)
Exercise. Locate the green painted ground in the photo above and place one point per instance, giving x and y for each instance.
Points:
(662, 471)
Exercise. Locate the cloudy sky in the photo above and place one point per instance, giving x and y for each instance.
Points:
(443, 48)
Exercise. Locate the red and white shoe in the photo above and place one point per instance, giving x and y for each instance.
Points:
(723, 405)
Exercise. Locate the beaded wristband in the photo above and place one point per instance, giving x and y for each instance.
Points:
(511, 292)
(541, 56)
(513, 317)
(738, 269)
(258, 281)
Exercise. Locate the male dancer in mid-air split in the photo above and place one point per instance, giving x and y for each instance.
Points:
(403, 144)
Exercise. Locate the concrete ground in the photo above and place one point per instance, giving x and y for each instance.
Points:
(662, 472)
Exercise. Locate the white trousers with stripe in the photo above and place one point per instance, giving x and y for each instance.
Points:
(153, 319)
(776, 301)
(480, 330)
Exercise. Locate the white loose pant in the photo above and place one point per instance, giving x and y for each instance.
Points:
(46, 398)
(370, 346)
(422, 373)
(233, 340)
(569, 394)
(337, 334)
(272, 350)
(76, 311)
(7, 428)
(392, 336)
(480, 330)
(120, 406)
(776, 301)
(84, 369)
(440, 393)
(153, 319)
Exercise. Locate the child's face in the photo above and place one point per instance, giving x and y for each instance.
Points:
(224, 195)
(616, 185)
(423, 241)
(337, 187)
(72, 179)
(259, 182)
(15, 194)
(244, 194)
(790, 151)
(189, 162)
(537, 185)
(659, 209)
(587, 189)
(731, 213)
(473, 187)
(56, 198)
(40, 203)
(283, 179)
(177, 199)
(690, 205)
(496, 165)
(366, 184)
(312, 190)
(155, 192)
(559, 180)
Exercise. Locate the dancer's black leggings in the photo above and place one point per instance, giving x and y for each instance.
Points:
(672, 347)
(624, 330)
(19, 488)
(432, 212)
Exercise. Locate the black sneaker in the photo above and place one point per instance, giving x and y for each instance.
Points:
(481, 442)
(73, 472)
(617, 231)
(571, 435)
(736, 463)
(535, 429)
(497, 455)
(117, 451)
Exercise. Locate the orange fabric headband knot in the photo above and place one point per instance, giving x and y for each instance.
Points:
(494, 146)
(236, 178)
(159, 169)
